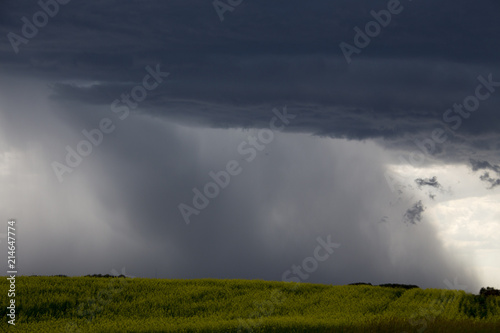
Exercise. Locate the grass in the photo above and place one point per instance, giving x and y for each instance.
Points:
(91, 304)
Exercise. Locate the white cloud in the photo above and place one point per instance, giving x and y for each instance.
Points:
(467, 217)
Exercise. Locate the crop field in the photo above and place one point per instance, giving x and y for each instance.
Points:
(93, 304)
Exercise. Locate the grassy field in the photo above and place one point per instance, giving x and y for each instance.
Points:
(90, 304)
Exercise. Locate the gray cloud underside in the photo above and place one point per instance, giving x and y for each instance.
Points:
(414, 214)
(428, 182)
(484, 165)
(485, 177)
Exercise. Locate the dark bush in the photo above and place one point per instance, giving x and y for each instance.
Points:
(360, 284)
(395, 285)
(105, 276)
(489, 291)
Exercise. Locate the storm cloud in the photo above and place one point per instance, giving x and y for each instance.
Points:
(414, 214)
(485, 177)
(428, 182)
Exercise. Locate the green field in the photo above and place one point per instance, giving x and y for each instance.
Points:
(90, 304)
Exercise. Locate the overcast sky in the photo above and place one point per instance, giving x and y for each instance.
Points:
(372, 125)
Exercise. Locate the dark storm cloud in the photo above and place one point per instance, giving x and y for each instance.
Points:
(108, 28)
(485, 165)
(428, 182)
(487, 178)
(431, 182)
(339, 104)
(414, 214)
(227, 74)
